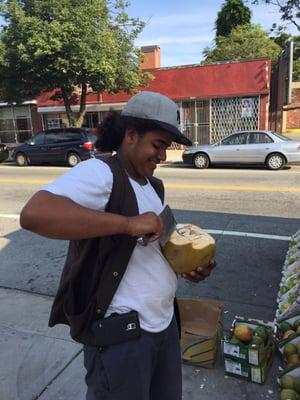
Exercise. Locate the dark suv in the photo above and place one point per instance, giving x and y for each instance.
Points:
(56, 146)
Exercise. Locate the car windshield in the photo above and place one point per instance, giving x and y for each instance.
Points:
(282, 137)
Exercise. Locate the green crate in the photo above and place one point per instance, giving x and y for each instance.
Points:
(252, 354)
(246, 371)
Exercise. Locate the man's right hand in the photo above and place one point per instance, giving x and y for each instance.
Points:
(148, 224)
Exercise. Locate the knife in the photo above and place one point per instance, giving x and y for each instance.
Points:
(169, 225)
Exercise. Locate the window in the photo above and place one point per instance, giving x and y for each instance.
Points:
(54, 137)
(71, 136)
(282, 137)
(239, 138)
(62, 136)
(258, 137)
(53, 123)
(23, 124)
(37, 139)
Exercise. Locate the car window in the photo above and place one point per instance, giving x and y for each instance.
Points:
(282, 137)
(239, 138)
(71, 136)
(37, 139)
(54, 137)
(258, 137)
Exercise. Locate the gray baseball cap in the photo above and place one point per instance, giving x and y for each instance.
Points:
(159, 109)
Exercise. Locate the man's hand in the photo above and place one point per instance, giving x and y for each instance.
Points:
(148, 224)
(199, 274)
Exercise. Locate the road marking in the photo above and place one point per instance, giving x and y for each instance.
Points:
(10, 216)
(185, 186)
(249, 234)
(29, 181)
(212, 231)
(180, 186)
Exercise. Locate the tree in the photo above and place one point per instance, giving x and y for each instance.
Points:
(68, 47)
(282, 38)
(232, 14)
(244, 42)
(289, 9)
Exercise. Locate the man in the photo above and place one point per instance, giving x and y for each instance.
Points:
(103, 208)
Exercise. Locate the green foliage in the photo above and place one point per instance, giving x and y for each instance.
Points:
(71, 46)
(282, 38)
(289, 9)
(296, 61)
(244, 42)
(232, 14)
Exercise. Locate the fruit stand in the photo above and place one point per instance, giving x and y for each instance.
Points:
(287, 323)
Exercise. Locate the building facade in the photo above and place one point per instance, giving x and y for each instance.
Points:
(285, 94)
(214, 100)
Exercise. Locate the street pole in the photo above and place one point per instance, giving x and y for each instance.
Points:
(290, 82)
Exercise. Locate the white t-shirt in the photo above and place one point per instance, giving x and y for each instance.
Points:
(149, 284)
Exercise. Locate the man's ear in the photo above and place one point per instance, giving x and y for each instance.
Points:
(130, 135)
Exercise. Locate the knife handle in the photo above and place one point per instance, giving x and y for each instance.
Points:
(143, 240)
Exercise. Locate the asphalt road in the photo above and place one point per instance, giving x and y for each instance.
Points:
(250, 212)
(230, 203)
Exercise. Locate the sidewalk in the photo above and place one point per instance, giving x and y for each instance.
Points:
(174, 156)
(42, 363)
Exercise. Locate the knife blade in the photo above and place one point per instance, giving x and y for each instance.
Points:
(169, 225)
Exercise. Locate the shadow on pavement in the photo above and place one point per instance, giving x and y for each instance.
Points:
(246, 279)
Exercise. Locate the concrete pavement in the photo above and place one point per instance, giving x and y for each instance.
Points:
(174, 156)
(42, 363)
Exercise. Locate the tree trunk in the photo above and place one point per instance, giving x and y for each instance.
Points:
(75, 119)
(82, 109)
(70, 114)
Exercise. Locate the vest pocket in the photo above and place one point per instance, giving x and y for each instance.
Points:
(79, 319)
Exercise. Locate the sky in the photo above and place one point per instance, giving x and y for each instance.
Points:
(182, 28)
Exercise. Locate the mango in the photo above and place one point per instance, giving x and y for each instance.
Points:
(243, 333)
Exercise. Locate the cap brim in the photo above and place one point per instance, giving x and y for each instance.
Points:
(178, 136)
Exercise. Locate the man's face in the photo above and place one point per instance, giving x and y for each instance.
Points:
(145, 152)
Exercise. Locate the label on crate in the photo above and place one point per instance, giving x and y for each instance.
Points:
(253, 357)
(256, 375)
(233, 350)
(234, 368)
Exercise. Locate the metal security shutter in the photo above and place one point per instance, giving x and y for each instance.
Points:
(233, 114)
(195, 120)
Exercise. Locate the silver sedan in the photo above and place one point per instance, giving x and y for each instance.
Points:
(247, 147)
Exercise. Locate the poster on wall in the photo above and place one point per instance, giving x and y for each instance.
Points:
(247, 107)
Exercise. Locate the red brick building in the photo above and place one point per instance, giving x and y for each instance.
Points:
(285, 95)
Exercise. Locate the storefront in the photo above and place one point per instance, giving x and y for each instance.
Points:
(15, 123)
(214, 100)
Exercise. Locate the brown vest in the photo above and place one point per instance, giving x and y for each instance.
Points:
(94, 267)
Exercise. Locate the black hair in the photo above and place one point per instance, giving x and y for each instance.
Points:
(112, 129)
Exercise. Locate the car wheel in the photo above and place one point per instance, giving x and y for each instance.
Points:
(201, 161)
(275, 161)
(73, 159)
(21, 160)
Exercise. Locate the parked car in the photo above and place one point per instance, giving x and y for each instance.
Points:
(56, 146)
(248, 147)
(4, 154)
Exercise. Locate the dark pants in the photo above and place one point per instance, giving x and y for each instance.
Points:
(147, 368)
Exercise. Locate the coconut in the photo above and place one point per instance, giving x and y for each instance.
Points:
(188, 248)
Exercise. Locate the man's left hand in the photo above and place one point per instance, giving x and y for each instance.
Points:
(199, 274)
